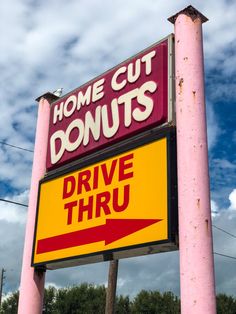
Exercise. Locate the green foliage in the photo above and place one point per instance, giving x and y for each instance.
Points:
(49, 300)
(90, 299)
(122, 305)
(226, 304)
(80, 300)
(152, 302)
(10, 305)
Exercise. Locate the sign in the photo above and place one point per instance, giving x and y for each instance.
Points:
(124, 101)
(114, 208)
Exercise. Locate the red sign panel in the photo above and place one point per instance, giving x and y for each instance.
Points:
(124, 101)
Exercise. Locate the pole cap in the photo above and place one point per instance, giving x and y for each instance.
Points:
(49, 96)
(191, 12)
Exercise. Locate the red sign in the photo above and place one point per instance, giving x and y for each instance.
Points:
(124, 101)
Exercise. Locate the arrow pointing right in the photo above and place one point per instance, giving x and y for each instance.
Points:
(111, 231)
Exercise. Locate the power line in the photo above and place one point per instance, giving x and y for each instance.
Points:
(12, 202)
(232, 257)
(222, 230)
(18, 147)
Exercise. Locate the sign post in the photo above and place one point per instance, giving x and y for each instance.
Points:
(111, 287)
(32, 282)
(195, 229)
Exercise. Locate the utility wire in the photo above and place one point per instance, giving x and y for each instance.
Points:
(232, 257)
(21, 148)
(12, 202)
(222, 230)
(18, 147)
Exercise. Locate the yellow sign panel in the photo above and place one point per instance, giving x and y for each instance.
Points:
(120, 202)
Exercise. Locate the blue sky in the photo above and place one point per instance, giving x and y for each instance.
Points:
(52, 44)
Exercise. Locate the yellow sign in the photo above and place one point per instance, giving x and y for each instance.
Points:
(118, 203)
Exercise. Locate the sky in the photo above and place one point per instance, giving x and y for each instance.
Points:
(46, 45)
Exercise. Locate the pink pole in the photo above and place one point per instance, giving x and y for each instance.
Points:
(32, 282)
(197, 283)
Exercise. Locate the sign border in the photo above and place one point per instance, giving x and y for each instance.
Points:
(171, 243)
(171, 118)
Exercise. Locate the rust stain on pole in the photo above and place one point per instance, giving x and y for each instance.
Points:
(181, 81)
(198, 202)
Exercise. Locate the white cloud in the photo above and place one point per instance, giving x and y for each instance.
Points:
(222, 173)
(214, 209)
(232, 198)
(213, 129)
(225, 244)
(51, 284)
(224, 164)
(214, 206)
(12, 213)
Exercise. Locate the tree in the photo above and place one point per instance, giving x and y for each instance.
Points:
(170, 303)
(122, 305)
(153, 302)
(225, 304)
(81, 299)
(10, 305)
(49, 300)
(90, 299)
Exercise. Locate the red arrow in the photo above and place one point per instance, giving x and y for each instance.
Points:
(111, 231)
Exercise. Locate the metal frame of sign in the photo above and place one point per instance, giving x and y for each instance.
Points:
(171, 243)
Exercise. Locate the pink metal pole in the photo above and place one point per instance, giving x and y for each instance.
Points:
(32, 282)
(195, 231)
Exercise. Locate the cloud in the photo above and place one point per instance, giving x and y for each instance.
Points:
(213, 129)
(11, 249)
(232, 198)
(15, 168)
(52, 284)
(218, 37)
(225, 244)
(222, 173)
(214, 209)
(11, 213)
